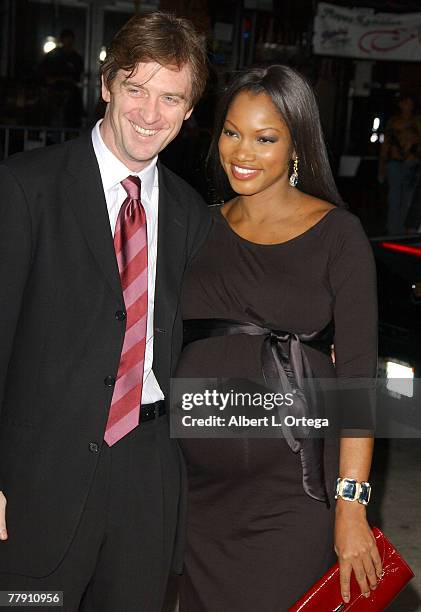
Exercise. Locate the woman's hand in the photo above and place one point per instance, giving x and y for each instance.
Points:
(356, 548)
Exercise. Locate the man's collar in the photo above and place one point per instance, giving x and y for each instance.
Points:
(113, 171)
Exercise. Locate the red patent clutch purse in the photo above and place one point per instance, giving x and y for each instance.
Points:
(325, 595)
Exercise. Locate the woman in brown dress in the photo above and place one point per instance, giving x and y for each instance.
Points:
(263, 524)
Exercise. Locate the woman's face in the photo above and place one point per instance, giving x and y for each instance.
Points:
(255, 145)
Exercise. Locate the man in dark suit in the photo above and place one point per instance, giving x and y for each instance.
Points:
(91, 262)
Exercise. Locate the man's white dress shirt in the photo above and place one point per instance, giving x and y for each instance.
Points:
(113, 171)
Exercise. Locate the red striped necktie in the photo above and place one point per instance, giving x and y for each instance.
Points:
(131, 248)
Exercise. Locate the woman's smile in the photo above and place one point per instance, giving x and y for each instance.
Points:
(244, 173)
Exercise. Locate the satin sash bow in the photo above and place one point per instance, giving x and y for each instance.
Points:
(284, 367)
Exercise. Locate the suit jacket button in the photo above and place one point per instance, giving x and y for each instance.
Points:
(93, 447)
(109, 381)
(120, 315)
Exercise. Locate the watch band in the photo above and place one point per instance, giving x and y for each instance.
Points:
(352, 490)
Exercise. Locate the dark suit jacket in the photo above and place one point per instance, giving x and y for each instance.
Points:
(59, 337)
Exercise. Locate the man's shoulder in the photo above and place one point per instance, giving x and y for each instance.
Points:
(47, 160)
(178, 187)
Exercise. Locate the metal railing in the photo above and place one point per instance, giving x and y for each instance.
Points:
(18, 138)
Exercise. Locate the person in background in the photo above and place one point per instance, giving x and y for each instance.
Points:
(283, 264)
(61, 70)
(413, 218)
(400, 158)
(96, 236)
(64, 63)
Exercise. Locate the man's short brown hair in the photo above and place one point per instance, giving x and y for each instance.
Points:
(162, 38)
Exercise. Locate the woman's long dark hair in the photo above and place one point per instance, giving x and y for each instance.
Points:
(295, 101)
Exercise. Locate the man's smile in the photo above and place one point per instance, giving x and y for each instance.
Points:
(143, 131)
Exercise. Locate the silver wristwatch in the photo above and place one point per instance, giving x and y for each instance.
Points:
(351, 490)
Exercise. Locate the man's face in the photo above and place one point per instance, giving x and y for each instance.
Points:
(145, 111)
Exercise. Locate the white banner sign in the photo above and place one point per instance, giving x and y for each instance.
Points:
(363, 34)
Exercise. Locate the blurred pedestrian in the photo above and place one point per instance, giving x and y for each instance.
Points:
(61, 70)
(400, 158)
(64, 63)
(413, 218)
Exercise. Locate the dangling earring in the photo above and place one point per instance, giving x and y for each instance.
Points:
(293, 179)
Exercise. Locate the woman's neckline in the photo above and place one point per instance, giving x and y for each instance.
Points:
(274, 244)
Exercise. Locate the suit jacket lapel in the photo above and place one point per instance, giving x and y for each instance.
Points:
(86, 196)
(172, 229)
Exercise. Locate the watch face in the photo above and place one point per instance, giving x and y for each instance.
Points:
(349, 488)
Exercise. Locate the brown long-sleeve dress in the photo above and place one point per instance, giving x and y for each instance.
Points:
(255, 540)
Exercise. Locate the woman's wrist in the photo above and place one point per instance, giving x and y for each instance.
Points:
(349, 508)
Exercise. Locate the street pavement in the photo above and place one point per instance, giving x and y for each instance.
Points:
(396, 508)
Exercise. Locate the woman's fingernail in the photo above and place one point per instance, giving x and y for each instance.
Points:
(367, 594)
(3, 535)
(346, 598)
